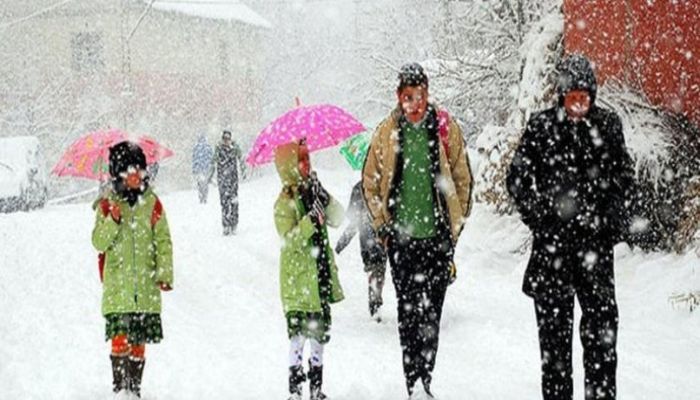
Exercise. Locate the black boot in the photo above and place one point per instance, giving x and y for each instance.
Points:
(119, 372)
(135, 375)
(426, 386)
(315, 382)
(374, 307)
(296, 378)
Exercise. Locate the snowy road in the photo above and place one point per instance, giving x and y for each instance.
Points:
(225, 335)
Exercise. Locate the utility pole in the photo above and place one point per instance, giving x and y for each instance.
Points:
(126, 91)
(126, 34)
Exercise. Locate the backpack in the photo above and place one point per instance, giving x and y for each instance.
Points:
(444, 130)
(104, 207)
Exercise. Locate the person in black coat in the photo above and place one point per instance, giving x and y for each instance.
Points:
(571, 179)
(373, 254)
(227, 161)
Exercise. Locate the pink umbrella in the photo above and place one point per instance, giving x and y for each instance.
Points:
(321, 125)
(88, 157)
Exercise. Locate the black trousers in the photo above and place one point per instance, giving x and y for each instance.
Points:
(594, 285)
(419, 269)
(228, 196)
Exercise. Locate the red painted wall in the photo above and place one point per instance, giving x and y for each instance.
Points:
(653, 45)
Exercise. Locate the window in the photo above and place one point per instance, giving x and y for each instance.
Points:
(224, 60)
(87, 51)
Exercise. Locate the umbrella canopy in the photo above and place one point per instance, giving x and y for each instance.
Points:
(321, 125)
(88, 157)
(355, 150)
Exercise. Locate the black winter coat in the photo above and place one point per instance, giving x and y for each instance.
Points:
(360, 220)
(227, 160)
(571, 182)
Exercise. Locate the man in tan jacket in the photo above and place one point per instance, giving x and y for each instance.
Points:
(417, 186)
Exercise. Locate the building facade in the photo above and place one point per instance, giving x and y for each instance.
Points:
(168, 69)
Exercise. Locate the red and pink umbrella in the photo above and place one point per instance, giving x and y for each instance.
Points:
(88, 157)
(321, 125)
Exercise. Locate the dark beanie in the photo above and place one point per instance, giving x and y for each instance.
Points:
(123, 155)
(412, 74)
(576, 73)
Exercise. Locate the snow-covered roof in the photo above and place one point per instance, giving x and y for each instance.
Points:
(229, 10)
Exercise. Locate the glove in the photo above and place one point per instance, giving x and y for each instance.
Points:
(316, 191)
(453, 273)
(384, 234)
(115, 212)
(317, 213)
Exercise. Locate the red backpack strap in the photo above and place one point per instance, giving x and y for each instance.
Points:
(104, 207)
(444, 129)
(101, 265)
(156, 213)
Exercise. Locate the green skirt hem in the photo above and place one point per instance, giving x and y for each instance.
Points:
(138, 327)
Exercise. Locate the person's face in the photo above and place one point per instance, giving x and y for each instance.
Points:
(577, 103)
(133, 177)
(304, 161)
(226, 139)
(414, 102)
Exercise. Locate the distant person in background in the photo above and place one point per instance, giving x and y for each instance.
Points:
(152, 171)
(202, 155)
(372, 251)
(226, 162)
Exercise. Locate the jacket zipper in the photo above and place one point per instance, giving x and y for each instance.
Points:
(133, 257)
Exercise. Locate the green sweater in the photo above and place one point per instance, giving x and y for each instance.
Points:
(416, 212)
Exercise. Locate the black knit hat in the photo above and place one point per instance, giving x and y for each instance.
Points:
(576, 73)
(412, 74)
(123, 155)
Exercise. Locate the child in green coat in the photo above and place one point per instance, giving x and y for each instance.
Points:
(308, 274)
(132, 234)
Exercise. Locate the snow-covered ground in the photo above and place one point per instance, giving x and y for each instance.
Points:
(225, 335)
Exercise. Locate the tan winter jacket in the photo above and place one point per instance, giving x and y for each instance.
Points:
(455, 181)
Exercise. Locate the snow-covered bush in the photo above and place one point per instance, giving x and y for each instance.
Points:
(688, 231)
(666, 151)
(690, 300)
(538, 56)
(665, 148)
(479, 55)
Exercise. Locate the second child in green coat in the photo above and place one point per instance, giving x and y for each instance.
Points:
(308, 273)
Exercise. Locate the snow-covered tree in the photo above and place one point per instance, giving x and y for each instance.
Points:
(479, 57)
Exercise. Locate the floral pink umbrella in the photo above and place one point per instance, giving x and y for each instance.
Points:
(88, 157)
(321, 125)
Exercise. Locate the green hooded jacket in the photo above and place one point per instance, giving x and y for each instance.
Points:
(299, 285)
(138, 256)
